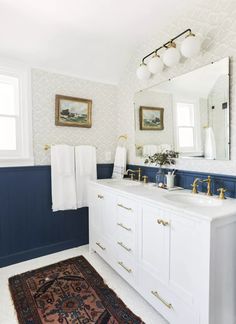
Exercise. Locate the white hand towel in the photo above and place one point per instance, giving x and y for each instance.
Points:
(63, 177)
(210, 144)
(120, 163)
(86, 169)
(149, 149)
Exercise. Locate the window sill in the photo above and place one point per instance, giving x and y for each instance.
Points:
(14, 162)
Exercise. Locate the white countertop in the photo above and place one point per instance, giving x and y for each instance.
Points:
(208, 208)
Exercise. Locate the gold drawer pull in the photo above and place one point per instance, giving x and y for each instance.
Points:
(155, 293)
(101, 247)
(124, 246)
(100, 196)
(123, 226)
(162, 222)
(122, 206)
(124, 267)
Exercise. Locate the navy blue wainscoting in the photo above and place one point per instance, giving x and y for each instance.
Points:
(185, 179)
(28, 227)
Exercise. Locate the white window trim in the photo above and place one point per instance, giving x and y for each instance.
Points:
(23, 72)
(196, 129)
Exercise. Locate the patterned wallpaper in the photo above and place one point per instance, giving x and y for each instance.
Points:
(215, 21)
(103, 132)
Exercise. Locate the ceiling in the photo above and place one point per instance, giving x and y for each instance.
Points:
(91, 39)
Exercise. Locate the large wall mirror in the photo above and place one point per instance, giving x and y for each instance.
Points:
(188, 114)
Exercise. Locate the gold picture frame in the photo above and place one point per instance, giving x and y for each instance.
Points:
(71, 111)
(151, 118)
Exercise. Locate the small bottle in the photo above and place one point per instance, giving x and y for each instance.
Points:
(160, 177)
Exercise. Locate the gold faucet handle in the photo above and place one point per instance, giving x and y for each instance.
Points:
(132, 176)
(145, 179)
(195, 186)
(222, 193)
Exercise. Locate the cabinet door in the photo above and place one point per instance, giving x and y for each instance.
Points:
(154, 247)
(102, 212)
(96, 207)
(185, 257)
(108, 216)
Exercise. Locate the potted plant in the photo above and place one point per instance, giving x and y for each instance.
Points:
(162, 159)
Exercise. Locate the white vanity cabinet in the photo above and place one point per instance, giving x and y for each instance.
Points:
(183, 265)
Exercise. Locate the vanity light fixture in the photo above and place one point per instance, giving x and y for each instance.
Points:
(190, 47)
(172, 55)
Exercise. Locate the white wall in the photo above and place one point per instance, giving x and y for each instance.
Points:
(215, 21)
(104, 122)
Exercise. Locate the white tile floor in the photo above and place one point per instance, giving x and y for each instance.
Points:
(130, 297)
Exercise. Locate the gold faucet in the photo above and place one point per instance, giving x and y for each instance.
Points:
(195, 185)
(139, 172)
(208, 180)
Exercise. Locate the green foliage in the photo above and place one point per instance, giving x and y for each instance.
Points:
(163, 158)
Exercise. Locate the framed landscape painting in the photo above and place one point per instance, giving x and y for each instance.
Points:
(151, 118)
(70, 111)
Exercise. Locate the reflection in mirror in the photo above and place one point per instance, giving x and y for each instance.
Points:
(188, 114)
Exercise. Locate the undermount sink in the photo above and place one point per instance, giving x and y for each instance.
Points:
(126, 183)
(194, 200)
(129, 183)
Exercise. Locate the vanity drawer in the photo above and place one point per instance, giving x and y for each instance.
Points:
(126, 267)
(102, 246)
(127, 207)
(164, 301)
(127, 247)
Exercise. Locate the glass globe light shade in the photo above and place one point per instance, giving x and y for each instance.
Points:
(191, 46)
(171, 56)
(155, 65)
(142, 72)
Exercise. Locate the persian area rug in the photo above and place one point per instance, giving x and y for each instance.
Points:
(67, 292)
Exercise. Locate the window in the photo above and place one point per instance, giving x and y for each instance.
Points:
(15, 115)
(186, 127)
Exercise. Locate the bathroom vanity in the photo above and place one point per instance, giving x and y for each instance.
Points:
(177, 249)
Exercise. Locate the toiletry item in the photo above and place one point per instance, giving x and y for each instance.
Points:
(170, 180)
(160, 177)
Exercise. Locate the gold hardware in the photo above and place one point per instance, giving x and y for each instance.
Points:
(122, 206)
(195, 185)
(132, 176)
(138, 171)
(123, 226)
(162, 222)
(208, 180)
(155, 293)
(171, 44)
(47, 147)
(125, 137)
(100, 196)
(124, 267)
(145, 179)
(124, 247)
(101, 247)
(222, 193)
